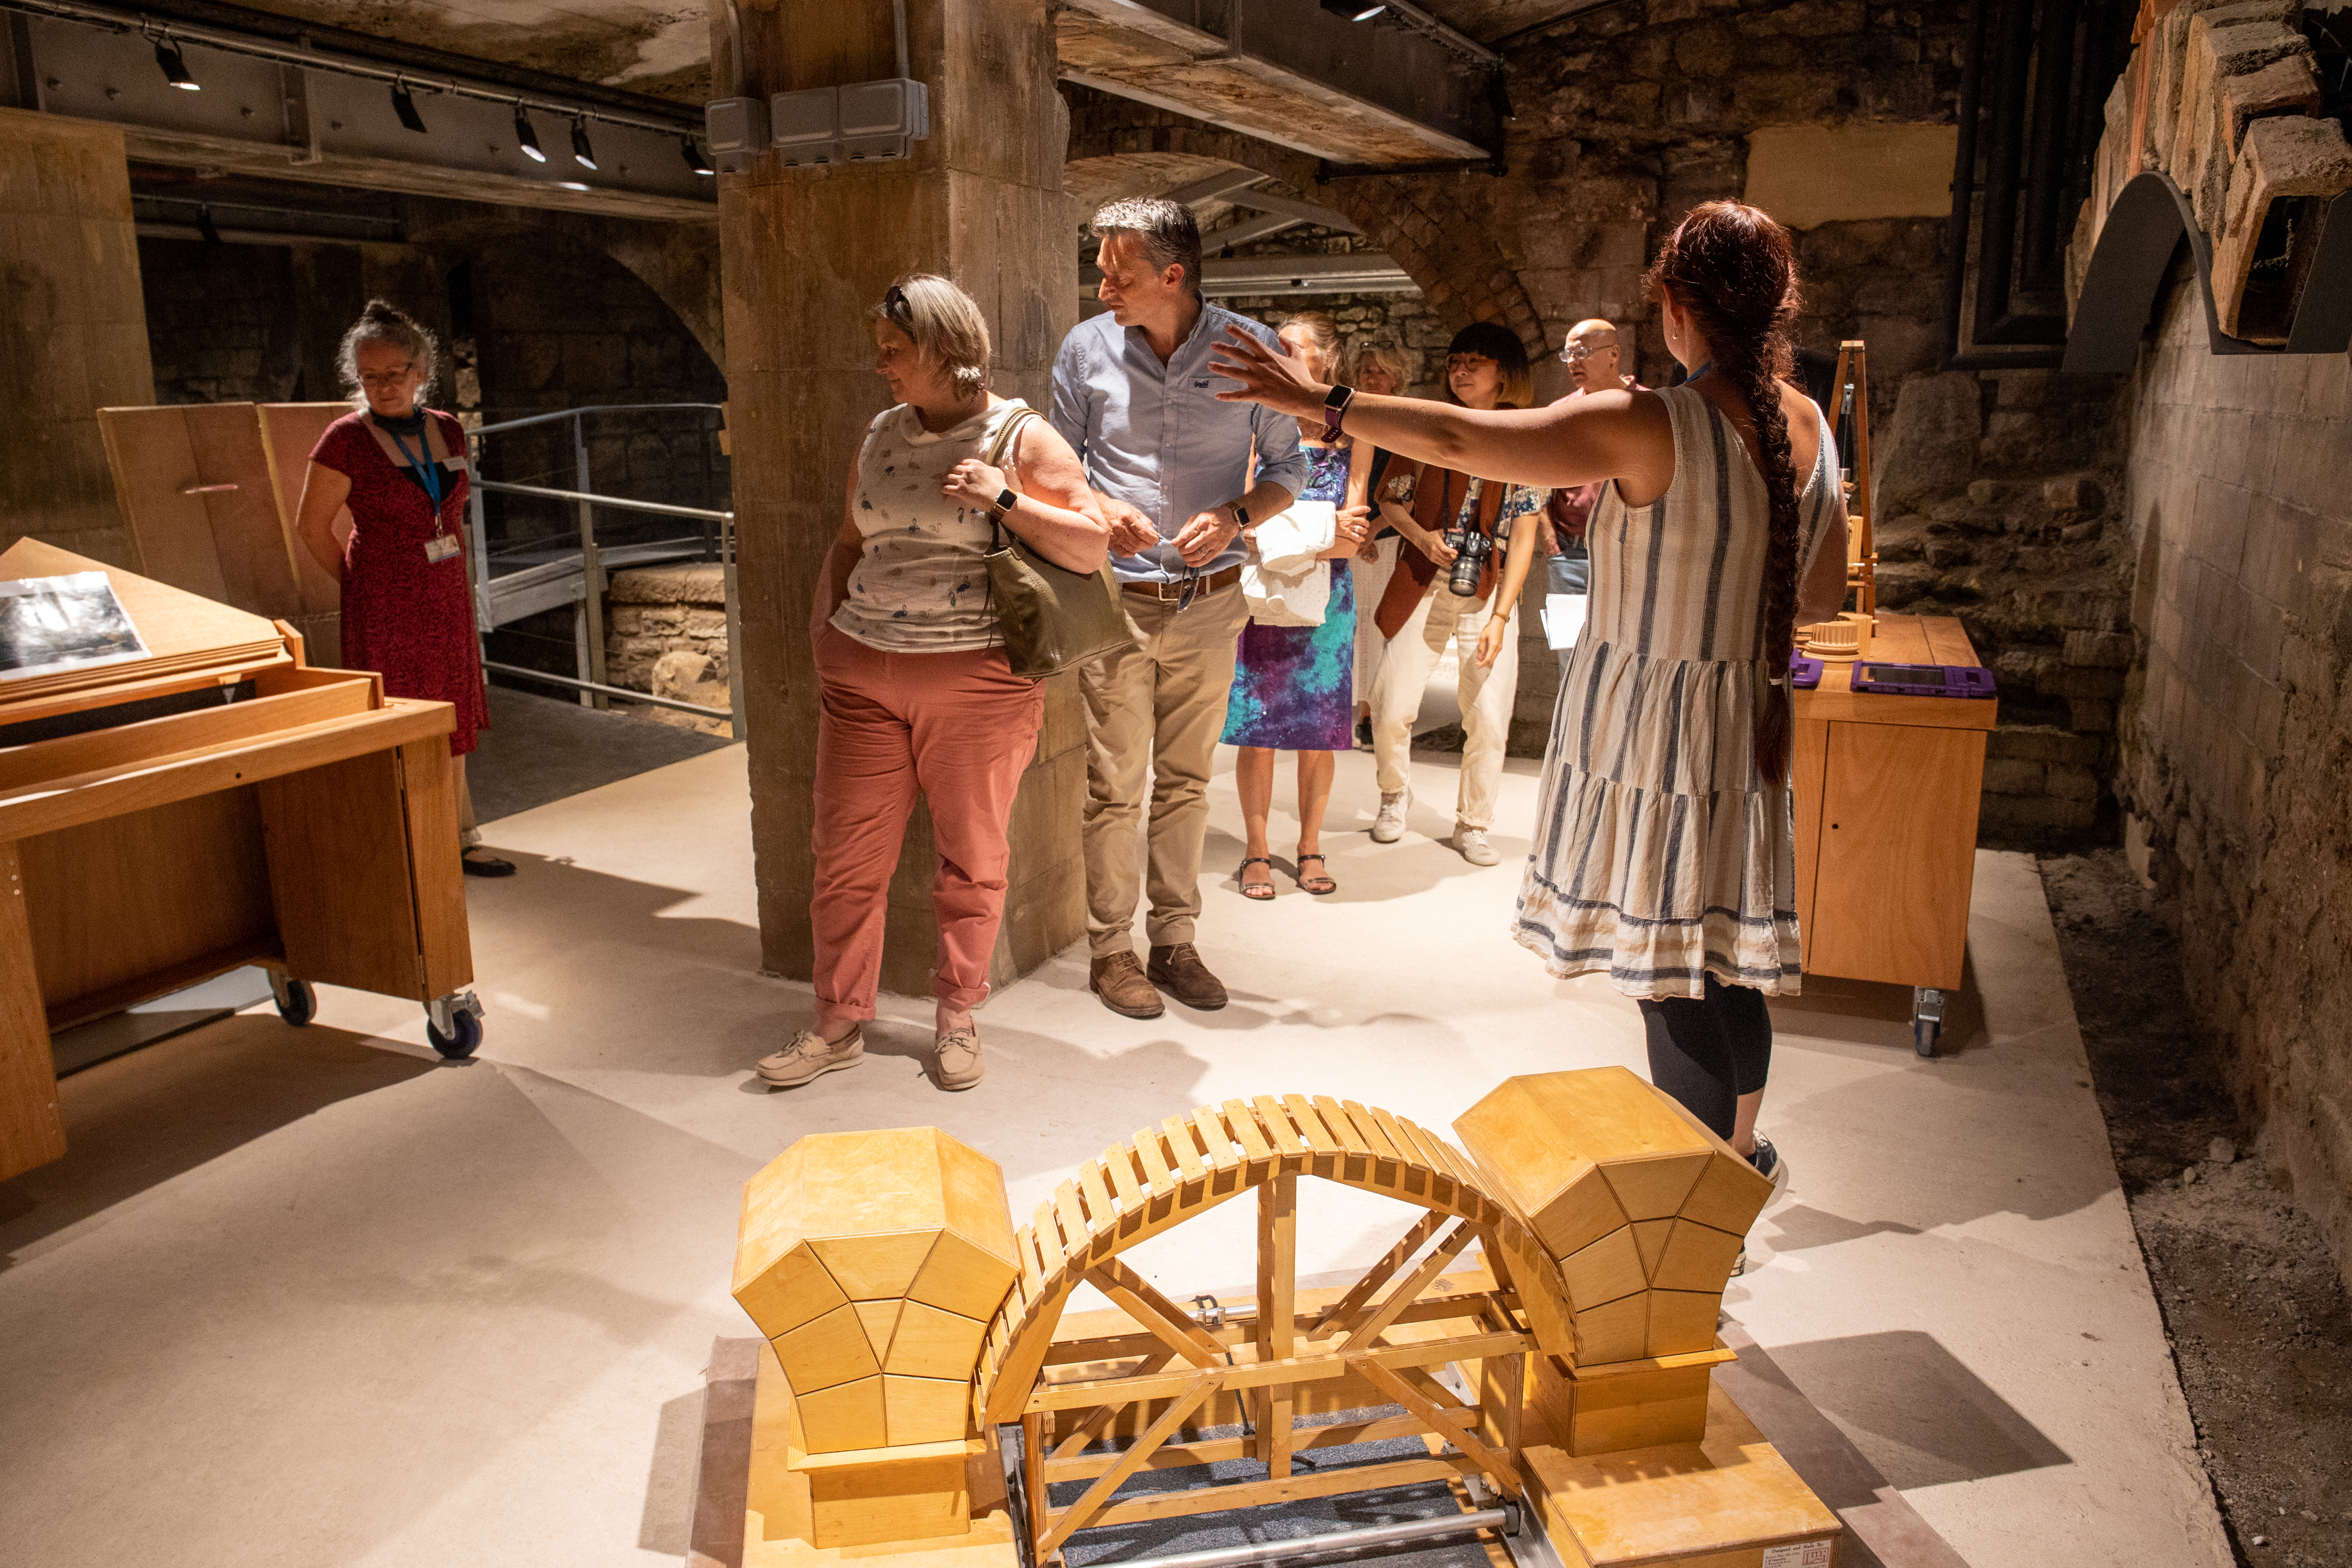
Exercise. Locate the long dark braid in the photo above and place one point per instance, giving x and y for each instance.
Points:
(1733, 271)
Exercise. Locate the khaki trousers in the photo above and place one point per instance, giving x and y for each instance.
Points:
(1487, 698)
(1158, 707)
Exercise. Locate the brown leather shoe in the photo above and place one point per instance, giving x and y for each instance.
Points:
(1179, 971)
(1118, 980)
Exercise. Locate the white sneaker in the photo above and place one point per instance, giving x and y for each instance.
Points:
(1471, 843)
(1388, 825)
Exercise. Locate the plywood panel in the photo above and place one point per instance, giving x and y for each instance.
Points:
(250, 537)
(1808, 771)
(30, 1133)
(289, 431)
(429, 795)
(338, 847)
(150, 890)
(1898, 853)
(153, 453)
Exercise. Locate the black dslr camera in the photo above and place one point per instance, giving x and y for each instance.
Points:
(1470, 549)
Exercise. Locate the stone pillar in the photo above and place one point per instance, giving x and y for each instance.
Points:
(73, 329)
(806, 252)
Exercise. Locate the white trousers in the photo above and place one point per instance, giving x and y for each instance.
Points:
(1372, 581)
(1486, 697)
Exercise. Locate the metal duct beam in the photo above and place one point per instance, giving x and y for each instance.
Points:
(295, 111)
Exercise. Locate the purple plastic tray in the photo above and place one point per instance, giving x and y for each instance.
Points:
(1922, 679)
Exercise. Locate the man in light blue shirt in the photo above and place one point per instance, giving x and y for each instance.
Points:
(1136, 397)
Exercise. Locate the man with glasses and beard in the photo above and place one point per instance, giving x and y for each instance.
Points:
(1593, 356)
(1134, 396)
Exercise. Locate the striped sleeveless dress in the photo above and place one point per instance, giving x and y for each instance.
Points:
(1659, 855)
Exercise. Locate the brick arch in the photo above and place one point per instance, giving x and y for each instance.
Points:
(1432, 226)
(677, 261)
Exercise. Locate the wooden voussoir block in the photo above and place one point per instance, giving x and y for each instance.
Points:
(1602, 1409)
(873, 1262)
(1720, 1502)
(1608, 1172)
(2259, 264)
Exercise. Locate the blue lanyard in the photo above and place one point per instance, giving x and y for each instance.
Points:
(429, 472)
(1692, 376)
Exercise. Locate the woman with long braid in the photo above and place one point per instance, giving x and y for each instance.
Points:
(1664, 848)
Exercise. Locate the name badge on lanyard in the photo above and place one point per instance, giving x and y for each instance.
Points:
(444, 543)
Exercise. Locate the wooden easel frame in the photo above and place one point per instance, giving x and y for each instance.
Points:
(1862, 549)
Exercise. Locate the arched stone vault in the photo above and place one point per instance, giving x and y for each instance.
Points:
(1437, 227)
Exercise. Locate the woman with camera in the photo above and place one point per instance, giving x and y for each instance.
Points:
(1293, 686)
(1454, 520)
(1664, 842)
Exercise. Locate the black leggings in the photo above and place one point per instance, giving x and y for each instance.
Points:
(1709, 1051)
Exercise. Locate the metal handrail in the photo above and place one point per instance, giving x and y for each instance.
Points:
(589, 627)
(621, 691)
(616, 503)
(529, 419)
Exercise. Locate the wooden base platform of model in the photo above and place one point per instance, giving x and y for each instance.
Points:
(1560, 1370)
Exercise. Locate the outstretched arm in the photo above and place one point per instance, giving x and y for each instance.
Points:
(1602, 435)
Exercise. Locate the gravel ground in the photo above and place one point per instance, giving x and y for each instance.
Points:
(2252, 1302)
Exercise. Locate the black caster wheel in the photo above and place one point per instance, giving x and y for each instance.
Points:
(296, 1000)
(459, 1044)
(1925, 1033)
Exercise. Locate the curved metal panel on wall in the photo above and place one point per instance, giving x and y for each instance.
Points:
(2144, 228)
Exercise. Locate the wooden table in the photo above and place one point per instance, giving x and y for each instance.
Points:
(1885, 791)
(152, 836)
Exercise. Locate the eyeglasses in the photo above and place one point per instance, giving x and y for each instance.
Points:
(1466, 362)
(895, 305)
(1576, 353)
(386, 378)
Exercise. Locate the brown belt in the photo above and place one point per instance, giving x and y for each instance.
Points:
(1215, 582)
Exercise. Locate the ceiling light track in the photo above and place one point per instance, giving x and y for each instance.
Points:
(170, 34)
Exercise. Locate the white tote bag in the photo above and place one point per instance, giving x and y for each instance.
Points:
(1286, 581)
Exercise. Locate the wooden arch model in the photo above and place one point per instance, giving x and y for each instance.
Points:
(1291, 1353)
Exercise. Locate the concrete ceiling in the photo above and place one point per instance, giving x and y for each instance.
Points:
(660, 47)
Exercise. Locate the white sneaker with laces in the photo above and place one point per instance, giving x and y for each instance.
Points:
(1471, 843)
(1388, 825)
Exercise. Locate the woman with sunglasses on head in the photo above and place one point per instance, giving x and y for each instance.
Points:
(1293, 686)
(408, 600)
(917, 691)
(1664, 842)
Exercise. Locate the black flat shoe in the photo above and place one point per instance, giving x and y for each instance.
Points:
(489, 866)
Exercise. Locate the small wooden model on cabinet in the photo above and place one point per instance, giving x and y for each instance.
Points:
(216, 803)
(1602, 1214)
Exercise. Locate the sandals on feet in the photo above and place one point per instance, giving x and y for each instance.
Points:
(1257, 892)
(1318, 884)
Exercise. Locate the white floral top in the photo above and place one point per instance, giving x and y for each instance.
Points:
(1517, 503)
(921, 585)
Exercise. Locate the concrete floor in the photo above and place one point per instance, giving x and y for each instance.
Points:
(313, 1297)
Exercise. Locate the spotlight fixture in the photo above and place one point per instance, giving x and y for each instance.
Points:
(404, 105)
(527, 137)
(175, 68)
(694, 158)
(205, 225)
(581, 153)
(1356, 10)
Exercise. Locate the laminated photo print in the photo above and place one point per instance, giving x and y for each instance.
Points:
(53, 623)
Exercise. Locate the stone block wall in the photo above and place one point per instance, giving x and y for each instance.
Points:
(221, 321)
(2236, 737)
(650, 611)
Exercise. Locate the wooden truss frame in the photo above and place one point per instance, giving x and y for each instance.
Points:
(1374, 1343)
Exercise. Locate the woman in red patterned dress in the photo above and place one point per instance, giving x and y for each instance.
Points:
(407, 601)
